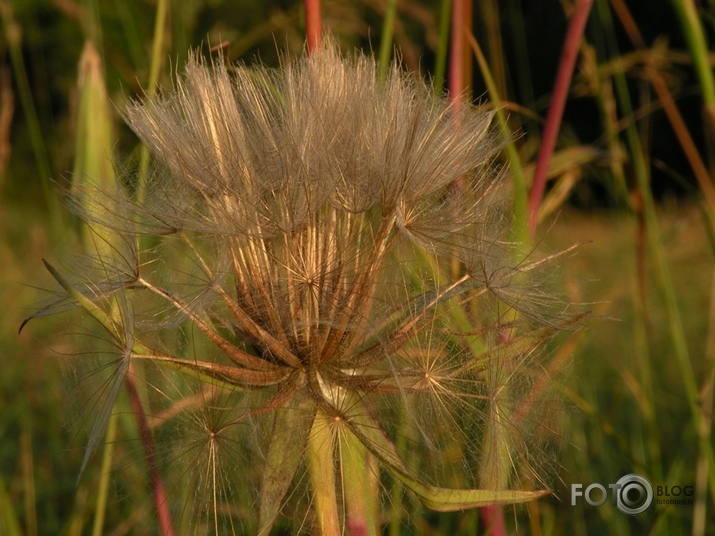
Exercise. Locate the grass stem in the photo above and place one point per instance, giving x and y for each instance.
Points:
(158, 44)
(562, 83)
(105, 475)
(388, 29)
(313, 24)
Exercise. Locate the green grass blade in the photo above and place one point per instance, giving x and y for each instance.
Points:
(388, 28)
(154, 69)
(521, 217)
(105, 476)
(695, 37)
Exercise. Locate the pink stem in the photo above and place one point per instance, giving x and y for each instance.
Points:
(313, 27)
(455, 80)
(493, 520)
(160, 499)
(556, 110)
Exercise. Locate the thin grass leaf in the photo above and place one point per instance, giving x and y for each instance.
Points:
(100, 509)
(388, 28)
(516, 170)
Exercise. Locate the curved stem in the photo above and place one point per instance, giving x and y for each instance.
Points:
(556, 110)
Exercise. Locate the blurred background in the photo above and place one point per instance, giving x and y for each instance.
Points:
(631, 176)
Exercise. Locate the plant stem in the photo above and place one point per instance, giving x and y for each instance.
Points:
(388, 28)
(456, 56)
(493, 520)
(703, 465)
(28, 474)
(556, 110)
(106, 472)
(154, 68)
(313, 27)
(359, 487)
(695, 37)
(160, 497)
(321, 469)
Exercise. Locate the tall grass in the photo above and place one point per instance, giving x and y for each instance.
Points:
(637, 385)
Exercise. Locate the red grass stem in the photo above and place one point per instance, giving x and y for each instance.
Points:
(493, 520)
(556, 110)
(455, 80)
(313, 26)
(160, 499)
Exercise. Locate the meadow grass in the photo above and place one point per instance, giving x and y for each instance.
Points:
(631, 394)
(612, 422)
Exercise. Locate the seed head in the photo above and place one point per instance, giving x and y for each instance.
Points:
(333, 249)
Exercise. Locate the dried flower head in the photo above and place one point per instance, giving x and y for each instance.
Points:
(339, 302)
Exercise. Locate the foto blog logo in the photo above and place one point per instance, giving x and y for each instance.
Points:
(632, 494)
